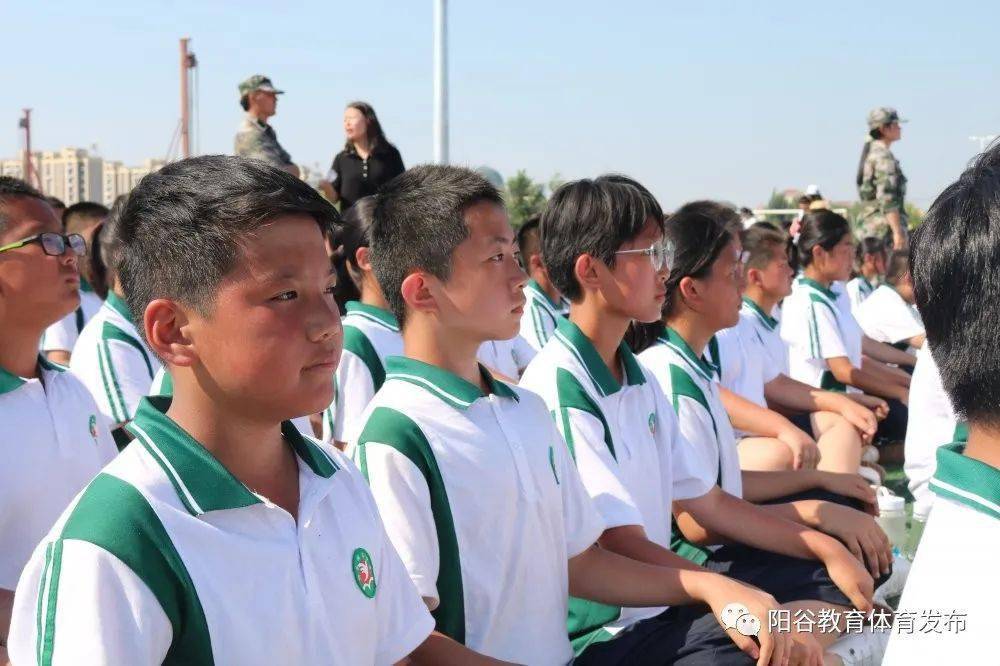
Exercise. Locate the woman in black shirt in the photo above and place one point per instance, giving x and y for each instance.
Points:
(368, 159)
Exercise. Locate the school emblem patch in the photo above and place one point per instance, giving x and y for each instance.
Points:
(364, 572)
(652, 423)
(93, 427)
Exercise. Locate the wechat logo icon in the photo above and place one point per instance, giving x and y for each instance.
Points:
(737, 616)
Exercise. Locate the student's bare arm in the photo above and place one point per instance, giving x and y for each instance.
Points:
(886, 353)
(631, 541)
(764, 486)
(887, 374)
(750, 417)
(845, 373)
(785, 393)
(439, 650)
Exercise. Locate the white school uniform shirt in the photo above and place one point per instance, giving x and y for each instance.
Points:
(54, 442)
(689, 383)
(113, 361)
(817, 324)
(371, 335)
(886, 317)
(858, 289)
(482, 502)
(627, 447)
(62, 335)
(954, 570)
(932, 423)
(746, 352)
(508, 357)
(541, 315)
(167, 558)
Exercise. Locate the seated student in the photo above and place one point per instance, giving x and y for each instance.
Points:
(888, 315)
(476, 487)
(703, 297)
(82, 218)
(54, 439)
(371, 332)
(221, 535)
(620, 430)
(824, 340)
(954, 262)
(870, 262)
(545, 306)
(110, 357)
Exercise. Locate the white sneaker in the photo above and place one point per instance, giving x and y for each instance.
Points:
(864, 649)
(896, 582)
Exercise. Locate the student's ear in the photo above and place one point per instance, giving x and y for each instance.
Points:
(753, 277)
(818, 253)
(165, 324)
(688, 290)
(416, 293)
(363, 257)
(535, 263)
(586, 270)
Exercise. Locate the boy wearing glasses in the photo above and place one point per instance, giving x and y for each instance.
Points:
(54, 438)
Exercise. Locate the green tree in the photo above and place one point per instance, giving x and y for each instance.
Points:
(524, 197)
(915, 215)
(778, 201)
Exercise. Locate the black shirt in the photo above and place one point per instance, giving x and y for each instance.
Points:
(355, 178)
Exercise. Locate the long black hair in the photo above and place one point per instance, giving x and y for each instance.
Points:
(353, 233)
(376, 137)
(822, 228)
(873, 135)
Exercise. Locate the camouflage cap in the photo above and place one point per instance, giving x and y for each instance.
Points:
(258, 82)
(883, 115)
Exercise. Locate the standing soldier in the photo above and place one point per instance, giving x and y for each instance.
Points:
(881, 183)
(255, 137)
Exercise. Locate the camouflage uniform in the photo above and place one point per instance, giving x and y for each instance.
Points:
(255, 138)
(883, 185)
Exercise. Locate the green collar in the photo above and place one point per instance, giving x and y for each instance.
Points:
(202, 483)
(116, 303)
(378, 315)
(809, 282)
(446, 385)
(537, 288)
(673, 339)
(966, 480)
(769, 322)
(9, 381)
(583, 349)
(85, 286)
(868, 286)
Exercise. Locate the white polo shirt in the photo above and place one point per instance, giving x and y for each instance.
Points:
(54, 442)
(370, 335)
(858, 289)
(886, 317)
(113, 361)
(62, 335)
(628, 450)
(744, 361)
(954, 570)
(817, 325)
(541, 315)
(932, 423)
(689, 383)
(508, 357)
(483, 504)
(167, 558)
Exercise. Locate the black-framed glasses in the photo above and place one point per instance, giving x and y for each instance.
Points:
(53, 244)
(660, 253)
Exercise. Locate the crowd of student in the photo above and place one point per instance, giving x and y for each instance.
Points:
(582, 440)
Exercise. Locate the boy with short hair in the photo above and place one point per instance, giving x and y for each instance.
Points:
(888, 314)
(54, 439)
(954, 258)
(111, 357)
(545, 307)
(59, 339)
(221, 535)
(476, 486)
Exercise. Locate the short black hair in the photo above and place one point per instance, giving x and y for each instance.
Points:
(822, 228)
(763, 242)
(594, 217)
(529, 237)
(11, 188)
(419, 220)
(181, 229)
(83, 214)
(955, 261)
(56, 202)
(869, 245)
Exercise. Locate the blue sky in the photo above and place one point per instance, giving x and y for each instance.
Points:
(711, 99)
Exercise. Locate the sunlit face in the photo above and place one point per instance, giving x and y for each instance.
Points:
(355, 125)
(775, 279)
(837, 263)
(36, 289)
(266, 102)
(273, 338)
(874, 264)
(892, 132)
(722, 288)
(633, 287)
(483, 296)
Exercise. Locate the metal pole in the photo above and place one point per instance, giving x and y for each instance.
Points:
(185, 105)
(441, 81)
(27, 166)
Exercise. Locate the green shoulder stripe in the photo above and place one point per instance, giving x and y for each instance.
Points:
(114, 516)
(392, 428)
(572, 395)
(112, 332)
(358, 344)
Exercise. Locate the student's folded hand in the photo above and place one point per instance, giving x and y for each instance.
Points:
(774, 646)
(861, 417)
(851, 578)
(806, 650)
(853, 486)
(872, 402)
(805, 452)
(860, 534)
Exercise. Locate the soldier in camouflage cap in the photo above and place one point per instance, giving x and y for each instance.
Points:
(255, 138)
(881, 183)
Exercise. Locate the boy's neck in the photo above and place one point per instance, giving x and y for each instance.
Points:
(694, 332)
(546, 285)
(19, 350)
(984, 445)
(373, 297)
(763, 300)
(604, 329)
(443, 348)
